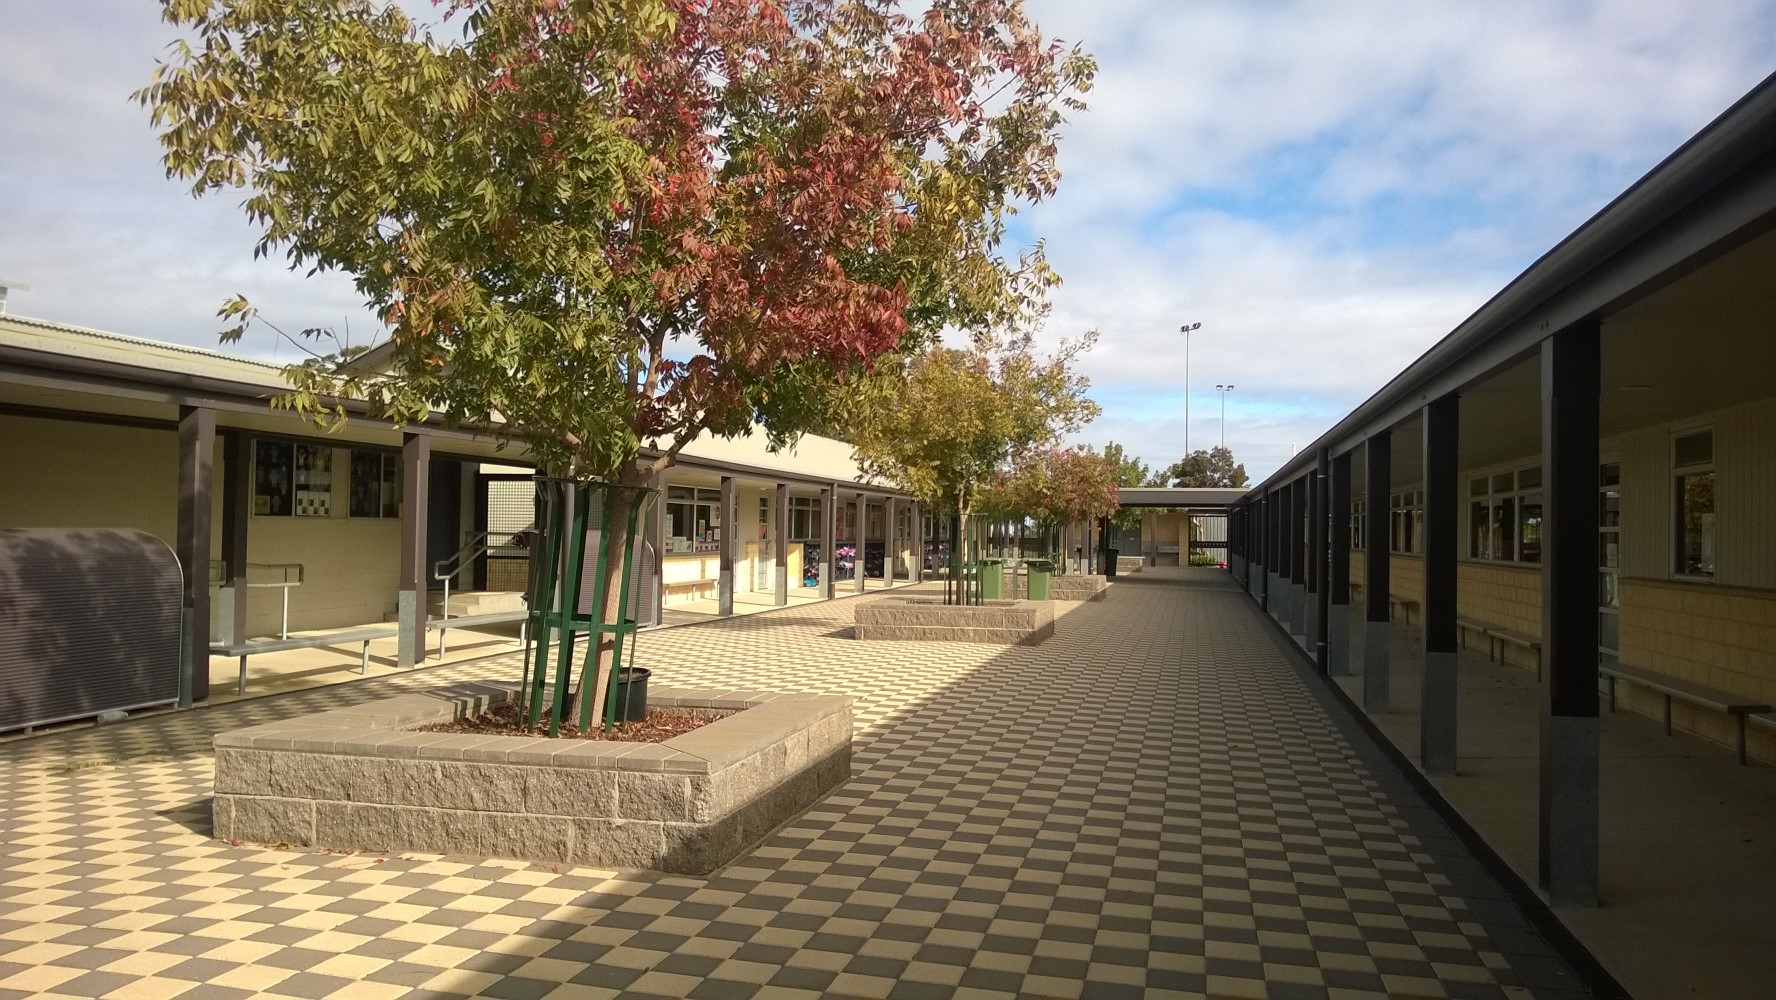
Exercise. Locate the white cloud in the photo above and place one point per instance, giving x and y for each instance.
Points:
(1329, 187)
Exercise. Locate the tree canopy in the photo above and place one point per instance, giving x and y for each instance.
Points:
(1055, 486)
(591, 225)
(944, 423)
(1212, 468)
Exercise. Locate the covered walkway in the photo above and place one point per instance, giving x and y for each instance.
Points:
(1157, 801)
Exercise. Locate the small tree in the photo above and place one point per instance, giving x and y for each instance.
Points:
(1127, 471)
(597, 225)
(943, 423)
(1056, 486)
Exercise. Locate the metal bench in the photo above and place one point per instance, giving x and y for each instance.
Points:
(442, 626)
(253, 647)
(1499, 638)
(1465, 625)
(1696, 694)
(1402, 606)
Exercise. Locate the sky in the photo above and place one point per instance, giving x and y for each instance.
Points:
(1327, 188)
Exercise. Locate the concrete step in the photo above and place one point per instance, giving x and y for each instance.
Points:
(475, 602)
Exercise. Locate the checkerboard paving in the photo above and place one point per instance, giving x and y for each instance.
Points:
(1154, 802)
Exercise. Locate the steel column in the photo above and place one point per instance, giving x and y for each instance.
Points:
(1318, 543)
(197, 456)
(237, 499)
(1338, 622)
(410, 603)
(862, 533)
(726, 539)
(829, 539)
(1567, 829)
(1438, 694)
(1377, 630)
(780, 548)
(890, 529)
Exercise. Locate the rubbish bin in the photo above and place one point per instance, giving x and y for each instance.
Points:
(632, 693)
(1110, 563)
(1041, 572)
(992, 579)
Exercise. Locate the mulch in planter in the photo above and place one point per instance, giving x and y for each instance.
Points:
(659, 726)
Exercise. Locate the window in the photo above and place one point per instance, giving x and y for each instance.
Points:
(1359, 520)
(693, 519)
(1693, 475)
(1505, 516)
(375, 485)
(804, 519)
(292, 479)
(1406, 522)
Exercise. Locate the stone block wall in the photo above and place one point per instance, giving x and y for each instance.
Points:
(928, 619)
(362, 779)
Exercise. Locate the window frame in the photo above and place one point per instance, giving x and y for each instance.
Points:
(1679, 472)
(1497, 523)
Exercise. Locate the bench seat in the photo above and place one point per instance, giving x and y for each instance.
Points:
(1674, 688)
(442, 626)
(253, 647)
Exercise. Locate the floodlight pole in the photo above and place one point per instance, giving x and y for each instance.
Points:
(1186, 331)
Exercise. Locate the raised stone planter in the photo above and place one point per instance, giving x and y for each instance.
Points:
(1009, 623)
(1078, 587)
(1130, 564)
(360, 779)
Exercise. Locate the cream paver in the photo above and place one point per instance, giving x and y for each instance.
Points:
(1151, 801)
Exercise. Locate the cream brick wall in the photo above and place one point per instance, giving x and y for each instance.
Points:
(69, 474)
(1718, 636)
(1505, 595)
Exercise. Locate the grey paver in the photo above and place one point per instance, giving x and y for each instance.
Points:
(1155, 799)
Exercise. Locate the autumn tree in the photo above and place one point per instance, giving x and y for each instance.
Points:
(603, 228)
(944, 423)
(1057, 486)
(1126, 470)
(1212, 468)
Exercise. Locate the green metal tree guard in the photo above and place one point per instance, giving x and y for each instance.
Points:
(558, 615)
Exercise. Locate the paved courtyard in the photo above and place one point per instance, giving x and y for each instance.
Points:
(1154, 802)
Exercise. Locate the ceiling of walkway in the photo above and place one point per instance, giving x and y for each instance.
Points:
(1702, 343)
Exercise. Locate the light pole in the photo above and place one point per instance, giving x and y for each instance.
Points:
(1186, 331)
(1224, 390)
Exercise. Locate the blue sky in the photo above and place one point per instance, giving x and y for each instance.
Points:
(1329, 188)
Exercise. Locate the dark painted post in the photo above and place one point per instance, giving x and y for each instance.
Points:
(780, 516)
(237, 498)
(197, 456)
(657, 519)
(410, 606)
(1310, 583)
(726, 539)
(1338, 622)
(829, 539)
(1438, 694)
(1567, 826)
(1376, 628)
(1318, 544)
(862, 533)
(1267, 545)
(916, 572)
(890, 531)
(1297, 515)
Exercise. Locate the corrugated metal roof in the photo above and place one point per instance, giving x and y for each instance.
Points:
(99, 345)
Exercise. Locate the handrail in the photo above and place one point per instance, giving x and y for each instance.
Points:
(451, 566)
(218, 577)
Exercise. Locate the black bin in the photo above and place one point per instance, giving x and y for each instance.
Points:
(632, 694)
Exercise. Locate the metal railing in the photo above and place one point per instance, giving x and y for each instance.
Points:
(284, 582)
(451, 566)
